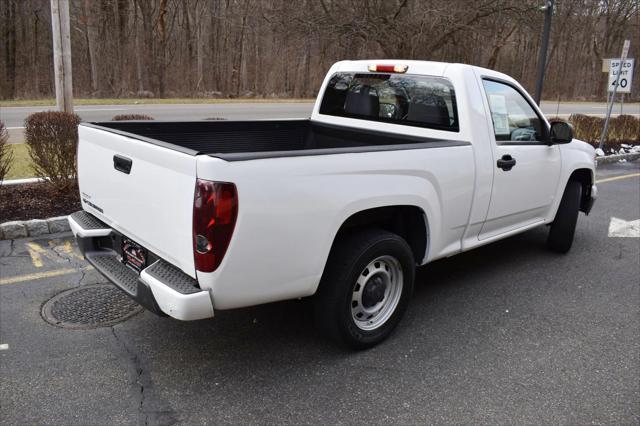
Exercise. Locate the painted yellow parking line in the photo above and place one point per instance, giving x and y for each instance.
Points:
(611, 179)
(41, 275)
(68, 248)
(35, 251)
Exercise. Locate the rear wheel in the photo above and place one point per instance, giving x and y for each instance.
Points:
(564, 225)
(365, 288)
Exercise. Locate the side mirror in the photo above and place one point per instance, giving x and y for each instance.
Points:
(561, 132)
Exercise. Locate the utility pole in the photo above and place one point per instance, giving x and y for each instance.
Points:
(542, 56)
(62, 54)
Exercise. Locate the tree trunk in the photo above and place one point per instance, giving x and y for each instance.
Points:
(10, 48)
(92, 41)
(199, 55)
(36, 44)
(162, 54)
(188, 29)
(239, 62)
(497, 47)
(120, 14)
(138, 52)
(146, 50)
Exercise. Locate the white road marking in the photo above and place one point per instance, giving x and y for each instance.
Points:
(4, 347)
(14, 128)
(621, 228)
(99, 109)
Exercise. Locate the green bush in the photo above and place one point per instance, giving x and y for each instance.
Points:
(52, 138)
(6, 154)
(125, 117)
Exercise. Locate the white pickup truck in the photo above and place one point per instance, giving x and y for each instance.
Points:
(400, 164)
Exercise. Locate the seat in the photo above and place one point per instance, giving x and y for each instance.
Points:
(432, 110)
(363, 102)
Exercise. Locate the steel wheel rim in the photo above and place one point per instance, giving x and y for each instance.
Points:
(385, 269)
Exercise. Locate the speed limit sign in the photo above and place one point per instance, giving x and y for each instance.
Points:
(625, 69)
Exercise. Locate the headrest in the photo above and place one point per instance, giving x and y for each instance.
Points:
(431, 110)
(363, 102)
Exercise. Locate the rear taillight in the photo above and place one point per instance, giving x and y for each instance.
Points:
(215, 209)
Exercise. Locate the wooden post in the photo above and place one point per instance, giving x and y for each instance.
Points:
(62, 54)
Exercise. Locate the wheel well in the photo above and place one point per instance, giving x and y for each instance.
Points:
(409, 222)
(584, 177)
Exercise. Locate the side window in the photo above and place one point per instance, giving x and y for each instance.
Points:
(513, 118)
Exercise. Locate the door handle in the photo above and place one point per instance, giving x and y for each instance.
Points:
(506, 163)
(122, 164)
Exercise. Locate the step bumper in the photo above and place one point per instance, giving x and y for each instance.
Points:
(160, 287)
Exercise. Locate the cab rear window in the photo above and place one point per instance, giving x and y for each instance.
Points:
(410, 100)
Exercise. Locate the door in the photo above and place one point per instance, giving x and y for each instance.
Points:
(526, 168)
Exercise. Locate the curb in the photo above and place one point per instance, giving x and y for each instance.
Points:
(617, 157)
(33, 228)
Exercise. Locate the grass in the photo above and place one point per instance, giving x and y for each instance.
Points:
(146, 101)
(21, 165)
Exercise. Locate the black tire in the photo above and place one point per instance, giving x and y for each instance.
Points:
(338, 287)
(564, 225)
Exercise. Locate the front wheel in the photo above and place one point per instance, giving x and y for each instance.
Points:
(564, 225)
(365, 288)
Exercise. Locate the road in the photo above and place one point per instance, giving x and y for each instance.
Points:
(507, 333)
(14, 116)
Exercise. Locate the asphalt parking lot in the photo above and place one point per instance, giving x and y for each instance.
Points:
(508, 333)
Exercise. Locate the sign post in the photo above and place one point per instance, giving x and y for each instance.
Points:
(616, 82)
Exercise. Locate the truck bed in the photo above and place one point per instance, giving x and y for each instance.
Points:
(247, 140)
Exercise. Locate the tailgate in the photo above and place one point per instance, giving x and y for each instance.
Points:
(152, 204)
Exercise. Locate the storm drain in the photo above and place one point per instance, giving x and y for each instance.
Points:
(92, 306)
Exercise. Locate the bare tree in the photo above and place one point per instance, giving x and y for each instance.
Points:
(283, 48)
(9, 37)
(91, 36)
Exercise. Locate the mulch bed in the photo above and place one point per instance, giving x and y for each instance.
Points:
(36, 201)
